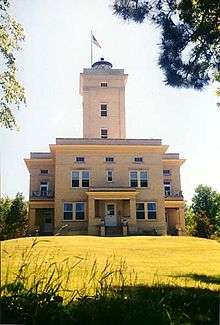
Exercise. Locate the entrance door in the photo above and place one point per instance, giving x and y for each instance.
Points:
(110, 215)
(46, 221)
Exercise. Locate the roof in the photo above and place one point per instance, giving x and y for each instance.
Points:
(90, 141)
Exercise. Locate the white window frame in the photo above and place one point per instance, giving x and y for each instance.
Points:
(103, 82)
(80, 177)
(151, 210)
(68, 211)
(138, 162)
(80, 162)
(107, 175)
(139, 177)
(167, 174)
(144, 203)
(47, 171)
(74, 211)
(44, 185)
(110, 162)
(170, 188)
(104, 136)
(104, 110)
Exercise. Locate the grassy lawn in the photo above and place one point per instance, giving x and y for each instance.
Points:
(180, 260)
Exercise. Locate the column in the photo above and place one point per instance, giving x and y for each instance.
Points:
(181, 220)
(132, 225)
(91, 217)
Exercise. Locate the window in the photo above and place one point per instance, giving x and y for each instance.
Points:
(134, 179)
(138, 160)
(140, 211)
(103, 109)
(68, 211)
(109, 175)
(104, 84)
(143, 179)
(80, 178)
(44, 171)
(104, 133)
(166, 172)
(80, 211)
(138, 178)
(109, 159)
(80, 159)
(167, 188)
(85, 179)
(75, 179)
(43, 188)
(74, 211)
(151, 210)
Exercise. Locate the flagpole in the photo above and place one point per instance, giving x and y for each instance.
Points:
(91, 49)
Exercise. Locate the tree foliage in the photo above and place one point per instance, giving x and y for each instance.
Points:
(12, 93)
(203, 216)
(190, 37)
(13, 217)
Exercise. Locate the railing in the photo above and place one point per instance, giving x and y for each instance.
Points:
(173, 195)
(42, 195)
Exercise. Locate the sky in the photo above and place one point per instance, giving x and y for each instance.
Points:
(55, 51)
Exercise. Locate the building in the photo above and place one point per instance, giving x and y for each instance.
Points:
(104, 183)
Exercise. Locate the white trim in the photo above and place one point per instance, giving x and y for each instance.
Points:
(74, 211)
(107, 171)
(103, 82)
(152, 210)
(138, 171)
(80, 177)
(144, 203)
(103, 137)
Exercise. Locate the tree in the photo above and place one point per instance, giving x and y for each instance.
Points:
(12, 93)
(13, 217)
(203, 216)
(190, 37)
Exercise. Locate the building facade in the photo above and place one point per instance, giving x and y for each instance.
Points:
(104, 184)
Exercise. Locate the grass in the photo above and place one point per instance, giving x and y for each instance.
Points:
(91, 280)
(183, 261)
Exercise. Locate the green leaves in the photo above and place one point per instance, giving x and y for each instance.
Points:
(12, 93)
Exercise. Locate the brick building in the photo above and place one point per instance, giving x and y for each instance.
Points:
(103, 183)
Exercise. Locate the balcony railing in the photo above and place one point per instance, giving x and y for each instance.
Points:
(42, 195)
(174, 195)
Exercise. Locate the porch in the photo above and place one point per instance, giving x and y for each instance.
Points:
(41, 218)
(175, 221)
(112, 211)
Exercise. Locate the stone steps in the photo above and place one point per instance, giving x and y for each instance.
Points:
(113, 231)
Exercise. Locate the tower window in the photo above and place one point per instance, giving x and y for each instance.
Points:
(104, 133)
(44, 171)
(109, 159)
(138, 160)
(109, 175)
(103, 109)
(80, 159)
(104, 84)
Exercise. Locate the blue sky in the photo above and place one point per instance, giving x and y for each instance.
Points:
(57, 48)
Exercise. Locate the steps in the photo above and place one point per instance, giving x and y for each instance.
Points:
(113, 231)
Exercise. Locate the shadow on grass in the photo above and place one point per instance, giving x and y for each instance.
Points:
(159, 304)
(212, 279)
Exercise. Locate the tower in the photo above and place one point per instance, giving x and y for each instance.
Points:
(103, 92)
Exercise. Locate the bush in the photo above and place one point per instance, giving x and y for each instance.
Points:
(13, 217)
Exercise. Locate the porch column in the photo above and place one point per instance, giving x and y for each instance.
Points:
(91, 217)
(132, 224)
(181, 220)
(32, 217)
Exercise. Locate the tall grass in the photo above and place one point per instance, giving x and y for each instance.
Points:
(81, 291)
(70, 278)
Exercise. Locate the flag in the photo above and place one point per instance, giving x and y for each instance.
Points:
(94, 41)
